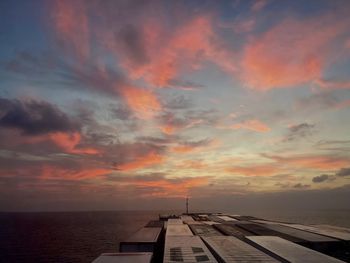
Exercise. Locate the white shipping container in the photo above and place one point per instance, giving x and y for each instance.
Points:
(175, 221)
(124, 258)
(178, 230)
(144, 240)
(232, 250)
(227, 218)
(186, 249)
(322, 231)
(290, 251)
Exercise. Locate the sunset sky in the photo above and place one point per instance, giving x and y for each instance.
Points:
(138, 104)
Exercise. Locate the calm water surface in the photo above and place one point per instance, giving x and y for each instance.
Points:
(74, 237)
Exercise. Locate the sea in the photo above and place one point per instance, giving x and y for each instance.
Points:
(76, 237)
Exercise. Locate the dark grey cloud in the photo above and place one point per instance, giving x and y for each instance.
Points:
(186, 85)
(165, 139)
(121, 113)
(132, 43)
(317, 101)
(33, 117)
(333, 142)
(343, 172)
(321, 178)
(66, 71)
(334, 145)
(199, 143)
(179, 103)
(188, 119)
(301, 186)
(299, 131)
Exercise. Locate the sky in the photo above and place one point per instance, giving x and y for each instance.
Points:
(138, 104)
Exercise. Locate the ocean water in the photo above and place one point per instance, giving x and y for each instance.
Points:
(75, 237)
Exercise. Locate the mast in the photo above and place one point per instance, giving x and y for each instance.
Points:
(187, 205)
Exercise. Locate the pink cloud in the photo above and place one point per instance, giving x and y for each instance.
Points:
(53, 172)
(150, 159)
(185, 48)
(142, 101)
(69, 143)
(253, 125)
(315, 162)
(291, 53)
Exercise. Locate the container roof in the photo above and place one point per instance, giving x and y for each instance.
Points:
(145, 234)
(290, 251)
(124, 258)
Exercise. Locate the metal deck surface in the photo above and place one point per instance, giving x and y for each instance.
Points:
(204, 230)
(178, 230)
(303, 235)
(290, 251)
(232, 250)
(190, 249)
(323, 231)
(124, 258)
(227, 218)
(145, 234)
(261, 230)
(175, 221)
(232, 230)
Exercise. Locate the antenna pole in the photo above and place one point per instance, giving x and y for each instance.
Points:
(186, 205)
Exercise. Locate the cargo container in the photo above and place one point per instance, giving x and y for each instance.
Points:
(304, 236)
(232, 230)
(155, 223)
(144, 240)
(204, 230)
(210, 223)
(216, 218)
(323, 231)
(337, 228)
(227, 218)
(245, 218)
(175, 221)
(186, 249)
(230, 249)
(186, 219)
(124, 258)
(178, 230)
(262, 230)
(289, 251)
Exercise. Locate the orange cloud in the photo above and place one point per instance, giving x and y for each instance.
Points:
(168, 129)
(253, 125)
(317, 162)
(172, 125)
(254, 170)
(171, 187)
(142, 101)
(184, 148)
(51, 172)
(69, 142)
(185, 48)
(291, 53)
(149, 159)
(195, 146)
